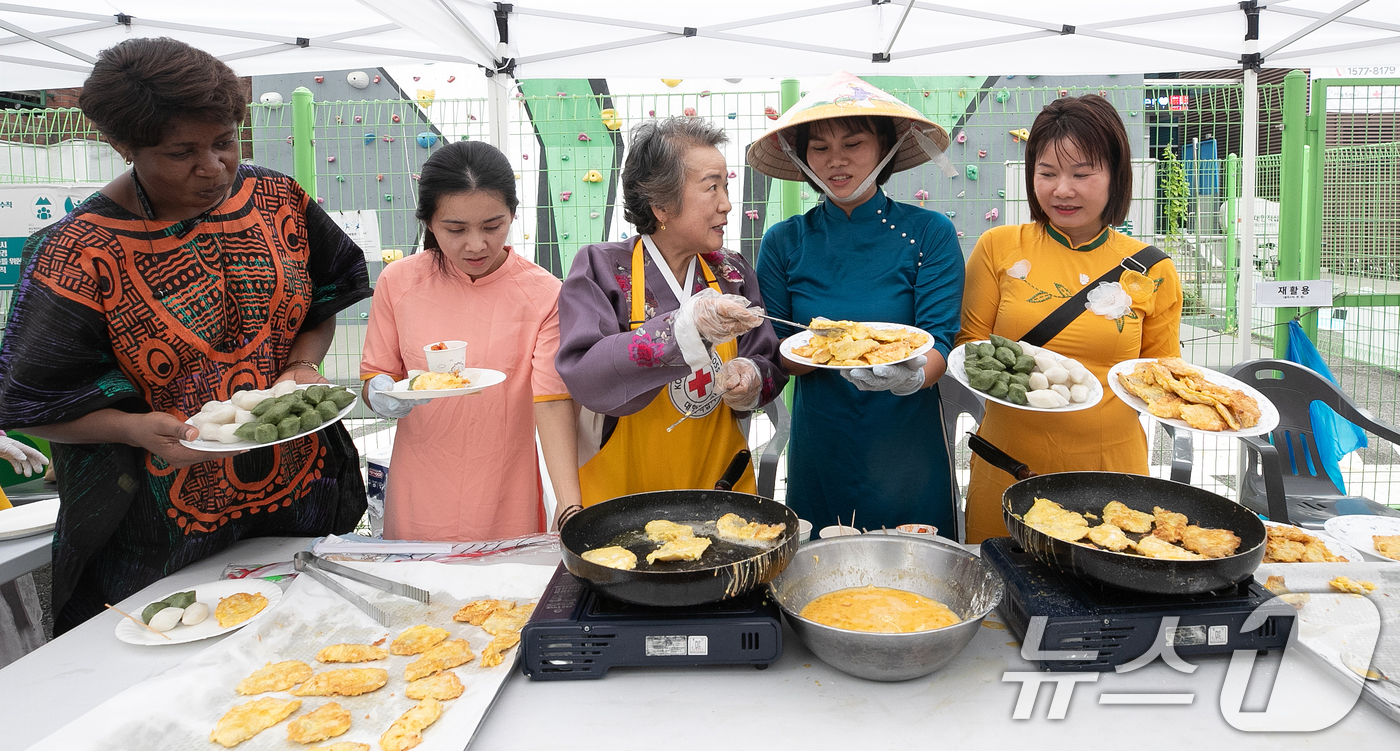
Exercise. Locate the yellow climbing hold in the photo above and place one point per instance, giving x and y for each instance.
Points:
(593, 176)
(1020, 134)
(672, 82)
(611, 119)
(1138, 287)
(426, 97)
(391, 254)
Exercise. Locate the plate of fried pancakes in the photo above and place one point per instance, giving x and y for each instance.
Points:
(1289, 544)
(1193, 398)
(232, 604)
(860, 345)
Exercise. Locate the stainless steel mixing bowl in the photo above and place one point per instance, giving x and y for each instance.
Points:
(941, 571)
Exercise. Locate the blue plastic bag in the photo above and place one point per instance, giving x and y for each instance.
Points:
(1335, 437)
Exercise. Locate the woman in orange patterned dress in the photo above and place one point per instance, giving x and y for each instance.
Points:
(185, 279)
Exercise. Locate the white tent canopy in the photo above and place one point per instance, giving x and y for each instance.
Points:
(52, 46)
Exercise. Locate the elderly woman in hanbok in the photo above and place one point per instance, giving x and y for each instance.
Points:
(662, 326)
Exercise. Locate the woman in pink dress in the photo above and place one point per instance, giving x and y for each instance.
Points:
(465, 468)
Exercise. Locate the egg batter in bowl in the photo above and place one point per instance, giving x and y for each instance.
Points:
(879, 609)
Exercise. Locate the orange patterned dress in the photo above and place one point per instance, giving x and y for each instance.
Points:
(115, 310)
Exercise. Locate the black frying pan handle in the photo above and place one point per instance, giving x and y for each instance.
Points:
(735, 470)
(998, 458)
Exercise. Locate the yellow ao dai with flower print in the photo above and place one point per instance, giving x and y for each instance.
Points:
(1017, 275)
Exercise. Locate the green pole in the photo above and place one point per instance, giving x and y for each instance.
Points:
(1312, 207)
(303, 151)
(1290, 210)
(1309, 253)
(791, 199)
(1232, 250)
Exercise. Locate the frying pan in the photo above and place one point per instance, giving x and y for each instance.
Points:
(724, 571)
(1091, 491)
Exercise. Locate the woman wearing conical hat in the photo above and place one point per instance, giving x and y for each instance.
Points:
(866, 442)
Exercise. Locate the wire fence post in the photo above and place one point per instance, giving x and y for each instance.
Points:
(303, 151)
(792, 190)
(1232, 249)
(1290, 199)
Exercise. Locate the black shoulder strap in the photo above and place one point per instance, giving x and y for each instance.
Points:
(1070, 309)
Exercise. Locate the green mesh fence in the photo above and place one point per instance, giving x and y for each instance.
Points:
(567, 142)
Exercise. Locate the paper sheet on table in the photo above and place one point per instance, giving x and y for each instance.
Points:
(176, 710)
(1329, 623)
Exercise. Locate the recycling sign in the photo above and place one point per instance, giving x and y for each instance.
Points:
(26, 209)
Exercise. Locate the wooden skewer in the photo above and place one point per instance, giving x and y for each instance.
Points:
(139, 622)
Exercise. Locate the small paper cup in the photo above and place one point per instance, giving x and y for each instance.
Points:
(804, 530)
(450, 359)
(837, 530)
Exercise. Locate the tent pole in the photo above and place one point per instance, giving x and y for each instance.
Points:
(498, 86)
(1250, 137)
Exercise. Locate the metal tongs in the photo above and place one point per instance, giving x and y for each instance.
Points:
(320, 569)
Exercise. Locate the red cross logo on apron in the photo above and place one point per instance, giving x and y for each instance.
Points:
(699, 383)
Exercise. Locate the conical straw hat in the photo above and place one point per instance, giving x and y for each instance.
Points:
(844, 95)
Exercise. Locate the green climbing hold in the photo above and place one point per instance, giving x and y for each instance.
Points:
(972, 172)
(1003, 95)
(340, 178)
(388, 197)
(1001, 194)
(563, 157)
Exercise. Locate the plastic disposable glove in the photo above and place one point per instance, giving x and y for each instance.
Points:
(23, 457)
(387, 406)
(900, 379)
(721, 318)
(742, 382)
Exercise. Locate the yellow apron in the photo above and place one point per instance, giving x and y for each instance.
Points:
(641, 456)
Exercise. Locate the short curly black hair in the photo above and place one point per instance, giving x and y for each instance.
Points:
(137, 88)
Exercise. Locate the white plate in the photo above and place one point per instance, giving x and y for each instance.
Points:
(801, 338)
(480, 377)
(209, 594)
(1268, 413)
(1356, 530)
(215, 446)
(1333, 544)
(957, 360)
(28, 520)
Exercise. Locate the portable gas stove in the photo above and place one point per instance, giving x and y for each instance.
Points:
(1120, 625)
(576, 633)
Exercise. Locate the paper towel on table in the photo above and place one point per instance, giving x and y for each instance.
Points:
(177, 709)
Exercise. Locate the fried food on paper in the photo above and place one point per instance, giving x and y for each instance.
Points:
(407, 731)
(684, 549)
(239, 607)
(351, 653)
(1168, 525)
(859, 345)
(503, 621)
(1109, 537)
(495, 652)
(441, 686)
(250, 718)
(275, 676)
(660, 530)
(1053, 519)
(1126, 519)
(1211, 543)
(326, 721)
(1356, 587)
(418, 639)
(1387, 545)
(444, 656)
(1174, 389)
(342, 746)
(735, 527)
(1276, 585)
(1284, 544)
(1155, 547)
(344, 682)
(477, 611)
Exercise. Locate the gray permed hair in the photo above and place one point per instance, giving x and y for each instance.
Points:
(654, 173)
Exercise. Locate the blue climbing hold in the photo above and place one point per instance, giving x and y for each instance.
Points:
(426, 140)
(369, 138)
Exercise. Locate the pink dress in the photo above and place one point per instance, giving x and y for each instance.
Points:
(465, 468)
